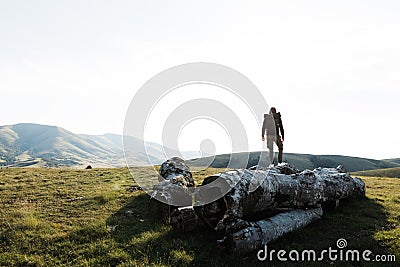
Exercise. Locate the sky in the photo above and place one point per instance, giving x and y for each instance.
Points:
(332, 68)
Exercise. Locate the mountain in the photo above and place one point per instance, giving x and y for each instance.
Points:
(300, 161)
(397, 161)
(35, 145)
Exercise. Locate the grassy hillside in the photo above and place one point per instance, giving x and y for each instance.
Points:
(389, 172)
(300, 161)
(35, 145)
(61, 217)
(397, 161)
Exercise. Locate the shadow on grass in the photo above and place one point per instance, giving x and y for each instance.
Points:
(149, 239)
(356, 220)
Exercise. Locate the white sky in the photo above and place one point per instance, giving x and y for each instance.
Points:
(331, 67)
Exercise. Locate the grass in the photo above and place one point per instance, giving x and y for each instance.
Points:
(57, 217)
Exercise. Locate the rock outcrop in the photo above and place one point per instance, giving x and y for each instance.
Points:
(261, 204)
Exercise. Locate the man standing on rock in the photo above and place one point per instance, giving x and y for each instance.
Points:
(273, 128)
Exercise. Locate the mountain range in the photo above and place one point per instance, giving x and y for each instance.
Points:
(35, 145)
(300, 161)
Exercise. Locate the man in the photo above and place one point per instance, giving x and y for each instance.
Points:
(273, 128)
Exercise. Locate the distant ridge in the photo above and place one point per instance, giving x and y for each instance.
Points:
(35, 145)
(397, 161)
(300, 161)
(388, 172)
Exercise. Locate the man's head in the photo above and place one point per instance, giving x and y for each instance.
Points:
(272, 110)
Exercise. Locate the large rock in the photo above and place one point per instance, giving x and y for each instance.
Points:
(176, 170)
(175, 179)
(252, 235)
(261, 204)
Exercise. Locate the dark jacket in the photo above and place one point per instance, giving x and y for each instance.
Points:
(273, 122)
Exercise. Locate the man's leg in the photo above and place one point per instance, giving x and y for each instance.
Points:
(270, 145)
(271, 155)
(280, 147)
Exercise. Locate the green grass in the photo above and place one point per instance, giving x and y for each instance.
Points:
(389, 172)
(56, 217)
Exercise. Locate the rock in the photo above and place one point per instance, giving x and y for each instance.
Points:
(88, 167)
(256, 234)
(283, 168)
(175, 179)
(74, 199)
(111, 228)
(133, 188)
(261, 205)
(341, 169)
(176, 170)
(273, 190)
(184, 218)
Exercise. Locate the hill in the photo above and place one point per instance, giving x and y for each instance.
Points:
(59, 217)
(35, 145)
(389, 172)
(397, 161)
(300, 161)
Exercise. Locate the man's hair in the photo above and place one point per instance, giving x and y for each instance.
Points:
(272, 110)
